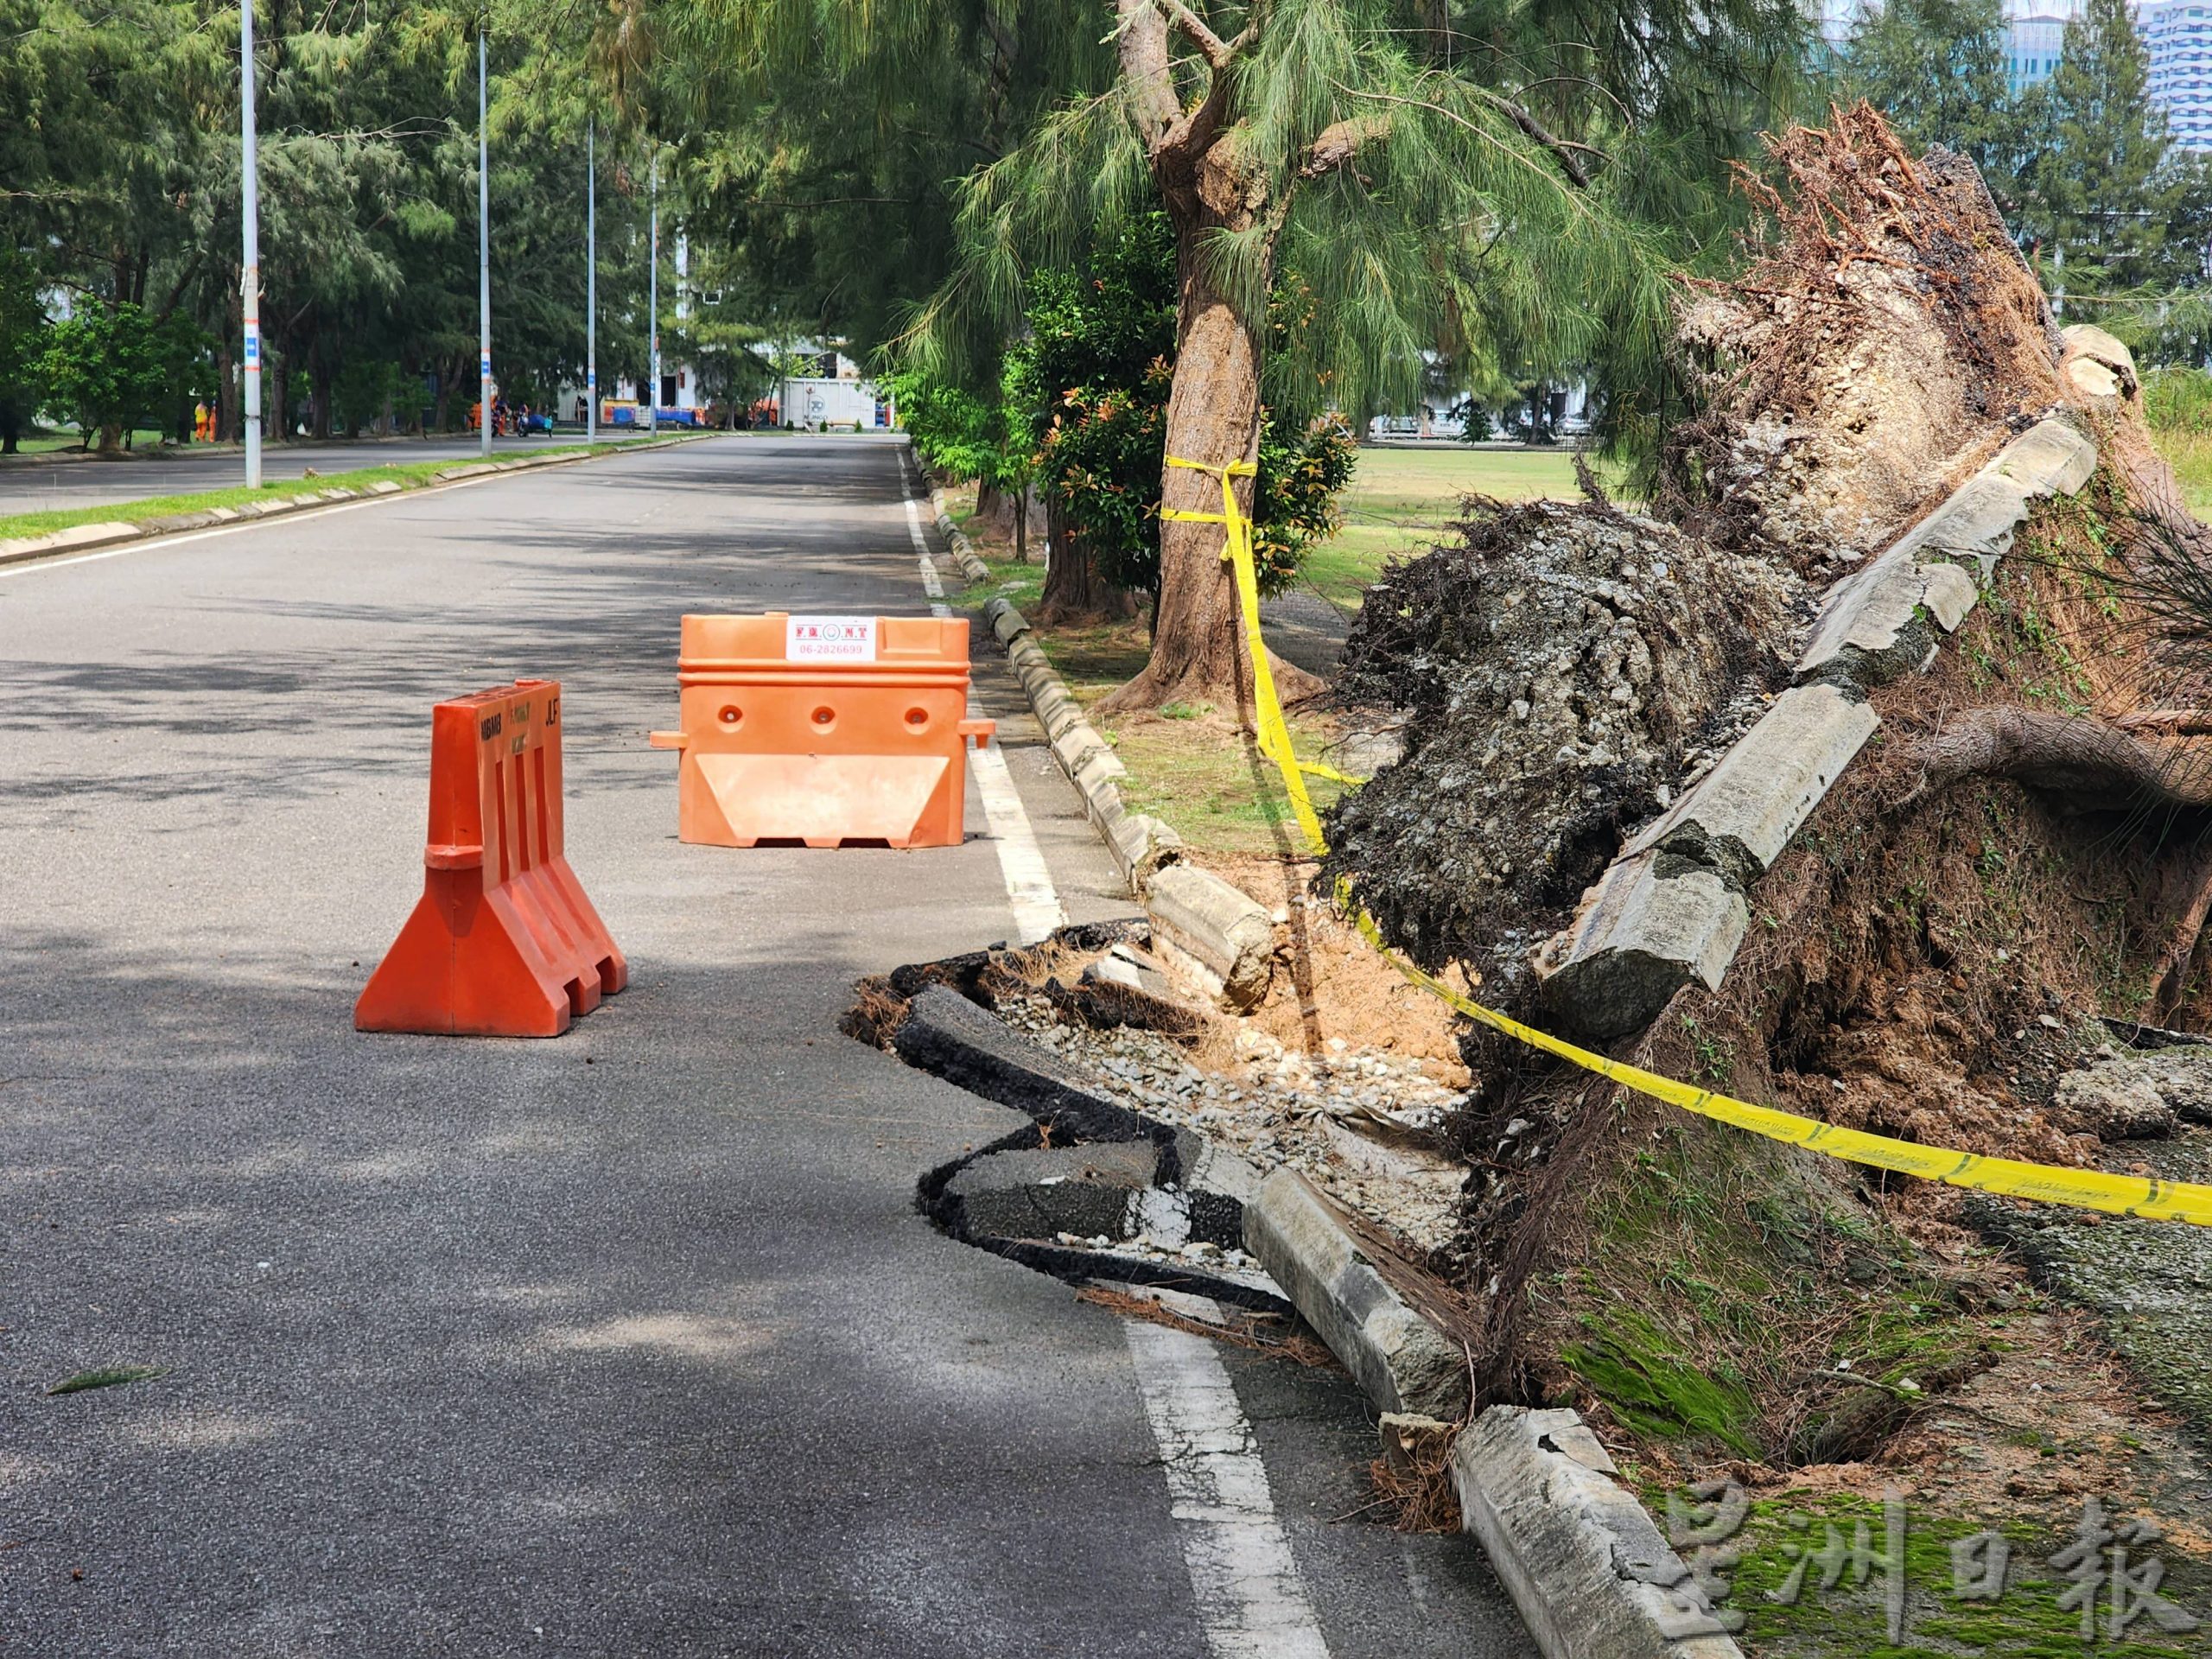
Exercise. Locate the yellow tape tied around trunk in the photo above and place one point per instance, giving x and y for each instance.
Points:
(2086, 1188)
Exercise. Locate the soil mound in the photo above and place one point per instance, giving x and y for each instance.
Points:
(1564, 671)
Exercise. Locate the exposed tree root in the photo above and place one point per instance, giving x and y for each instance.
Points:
(2069, 754)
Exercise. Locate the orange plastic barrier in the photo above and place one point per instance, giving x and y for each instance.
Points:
(503, 942)
(822, 729)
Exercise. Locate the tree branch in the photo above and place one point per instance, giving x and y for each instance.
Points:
(1340, 142)
(1216, 52)
(1142, 35)
(1562, 150)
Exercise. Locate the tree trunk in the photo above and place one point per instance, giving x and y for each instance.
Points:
(1075, 589)
(1213, 415)
(1021, 526)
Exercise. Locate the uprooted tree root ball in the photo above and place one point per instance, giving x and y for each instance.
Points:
(1883, 341)
(1562, 672)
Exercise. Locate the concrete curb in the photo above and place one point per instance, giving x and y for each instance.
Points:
(1219, 932)
(1584, 1563)
(78, 537)
(1672, 908)
(1404, 1363)
(964, 550)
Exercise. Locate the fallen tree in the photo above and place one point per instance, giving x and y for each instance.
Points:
(2018, 852)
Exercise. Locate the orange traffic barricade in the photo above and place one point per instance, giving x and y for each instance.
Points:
(503, 942)
(822, 729)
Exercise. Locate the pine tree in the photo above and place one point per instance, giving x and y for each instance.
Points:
(2103, 190)
(1936, 69)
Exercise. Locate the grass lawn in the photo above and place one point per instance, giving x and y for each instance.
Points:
(46, 443)
(2190, 453)
(408, 475)
(1399, 499)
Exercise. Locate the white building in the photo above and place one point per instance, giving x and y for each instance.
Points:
(2178, 34)
(2033, 36)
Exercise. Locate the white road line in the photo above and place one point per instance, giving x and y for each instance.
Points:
(1251, 1599)
(1029, 887)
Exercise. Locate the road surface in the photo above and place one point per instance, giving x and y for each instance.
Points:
(46, 484)
(629, 1342)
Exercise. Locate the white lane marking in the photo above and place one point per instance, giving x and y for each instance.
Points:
(1029, 888)
(1251, 1600)
(32, 567)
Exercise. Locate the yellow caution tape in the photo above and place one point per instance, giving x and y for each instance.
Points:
(2086, 1188)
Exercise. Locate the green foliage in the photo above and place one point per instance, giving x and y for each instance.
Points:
(108, 370)
(1454, 227)
(1096, 370)
(955, 432)
(2108, 188)
(22, 344)
(2178, 400)
(1626, 1360)
(1936, 68)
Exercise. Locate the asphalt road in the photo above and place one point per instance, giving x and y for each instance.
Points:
(47, 483)
(628, 1343)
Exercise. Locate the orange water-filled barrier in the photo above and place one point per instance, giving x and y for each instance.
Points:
(503, 942)
(822, 729)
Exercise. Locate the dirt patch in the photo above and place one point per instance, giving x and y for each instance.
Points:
(1331, 990)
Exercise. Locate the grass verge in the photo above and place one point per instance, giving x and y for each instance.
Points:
(412, 474)
(1188, 764)
(2190, 453)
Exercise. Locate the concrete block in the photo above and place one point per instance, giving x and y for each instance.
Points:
(2098, 367)
(1005, 622)
(1977, 522)
(1871, 628)
(1742, 813)
(1080, 747)
(1651, 925)
(384, 486)
(1585, 1565)
(1141, 845)
(113, 529)
(32, 547)
(2049, 458)
(1404, 1363)
(1219, 926)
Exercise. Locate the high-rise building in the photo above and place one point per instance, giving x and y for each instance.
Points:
(2178, 36)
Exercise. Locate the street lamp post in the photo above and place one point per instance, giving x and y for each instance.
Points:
(591, 281)
(250, 283)
(653, 309)
(483, 251)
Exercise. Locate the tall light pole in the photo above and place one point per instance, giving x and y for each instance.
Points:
(653, 309)
(591, 280)
(483, 250)
(250, 283)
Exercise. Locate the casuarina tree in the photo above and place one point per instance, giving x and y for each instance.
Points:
(1344, 147)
